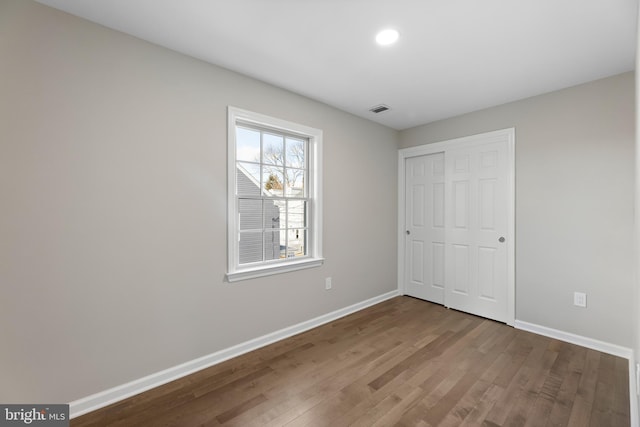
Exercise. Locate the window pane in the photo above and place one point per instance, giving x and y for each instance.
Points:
(247, 179)
(296, 214)
(247, 145)
(250, 247)
(273, 178)
(273, 169)
(273, 149)
(296, 243)
(250, 214)
(296, 153)
(295, 183)
(274, 244)
(274, 214)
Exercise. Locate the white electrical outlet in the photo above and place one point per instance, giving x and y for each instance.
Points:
(327, 283)
(580, 299)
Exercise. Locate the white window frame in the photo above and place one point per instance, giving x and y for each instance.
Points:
(236, 271)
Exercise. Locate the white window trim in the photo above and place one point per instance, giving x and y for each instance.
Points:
(235, 272)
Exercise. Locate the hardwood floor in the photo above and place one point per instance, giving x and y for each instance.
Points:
(403, 362)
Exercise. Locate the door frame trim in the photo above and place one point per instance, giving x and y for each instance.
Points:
(442, 147)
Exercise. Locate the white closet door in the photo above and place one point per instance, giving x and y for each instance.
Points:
(425, 227)
(477, 209)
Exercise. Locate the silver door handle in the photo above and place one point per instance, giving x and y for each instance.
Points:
(501, 239)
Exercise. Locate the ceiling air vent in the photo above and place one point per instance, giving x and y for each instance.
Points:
(379, 108)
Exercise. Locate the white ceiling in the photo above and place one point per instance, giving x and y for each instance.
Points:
(453, 56)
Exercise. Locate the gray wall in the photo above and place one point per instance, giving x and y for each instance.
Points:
(574, 203)
(113, 219)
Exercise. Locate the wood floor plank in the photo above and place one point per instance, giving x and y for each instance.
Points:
(403, 362)
(605, 411)
(528, 359)
(300, 400)
(572, 357)
(478, 414)
(621, 407)
(386, 397)
(585, 394)
(459, 401)
(541, 397)
(531, 388)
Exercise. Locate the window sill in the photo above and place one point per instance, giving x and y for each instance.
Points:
(252, 273)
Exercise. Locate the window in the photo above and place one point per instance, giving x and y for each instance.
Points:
(274, 197)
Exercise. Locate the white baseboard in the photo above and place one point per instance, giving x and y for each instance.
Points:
(633, 394)
(591, 343)
(594, 344)
(115, 394)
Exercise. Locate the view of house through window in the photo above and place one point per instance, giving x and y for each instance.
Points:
(271, 194)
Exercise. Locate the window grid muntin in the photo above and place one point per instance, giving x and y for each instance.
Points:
(264, 229)
(265, 196)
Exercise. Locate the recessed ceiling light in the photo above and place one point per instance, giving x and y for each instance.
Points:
(387, 37)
